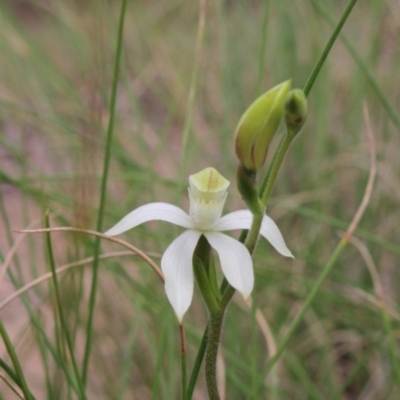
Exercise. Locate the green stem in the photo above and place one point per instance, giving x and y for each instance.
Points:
(269, 182)
(107, 156)
(17, 366)
(328, 47)
(64, 329)
(227, 297)
(214, 337)
(254, 232)
(266, 189)
(217, 318)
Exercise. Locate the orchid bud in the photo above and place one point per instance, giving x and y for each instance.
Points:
(295, 109)
(258, 125)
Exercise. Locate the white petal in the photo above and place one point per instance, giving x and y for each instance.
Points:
(176, 264)
(235, 260)
(150, 212)
(272, 233)
(241, 219)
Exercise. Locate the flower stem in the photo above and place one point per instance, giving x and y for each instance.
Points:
(227, 297)
(254, 231)
(269, 180)
(214, 336)
(213, 331)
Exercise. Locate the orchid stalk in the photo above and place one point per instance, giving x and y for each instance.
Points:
(207, 194)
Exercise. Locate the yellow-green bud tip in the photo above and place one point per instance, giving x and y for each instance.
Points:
(295, 109)
(258, 125)
(209, 180)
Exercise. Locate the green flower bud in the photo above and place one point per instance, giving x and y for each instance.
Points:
(258, 125)
(295, 109)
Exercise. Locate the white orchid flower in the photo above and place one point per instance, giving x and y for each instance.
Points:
(207, 194)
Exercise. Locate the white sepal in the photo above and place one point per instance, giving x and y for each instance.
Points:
(241, 219)
(235, 260)
(152, 212)
(272, 233)
(176, 264)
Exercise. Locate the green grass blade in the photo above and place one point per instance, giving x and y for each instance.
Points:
(17, 366)
(263, 47)
(63, 323)
(192, 90)
(107, 156)
(328, 47)
(323, 10)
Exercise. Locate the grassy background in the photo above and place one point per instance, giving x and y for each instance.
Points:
(56, 66)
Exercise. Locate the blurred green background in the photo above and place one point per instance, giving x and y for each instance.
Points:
(56, 67)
